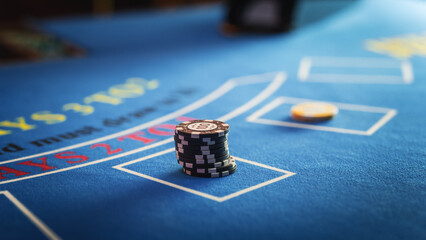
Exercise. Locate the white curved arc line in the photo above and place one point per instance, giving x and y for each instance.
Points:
(226, 87)
(269, 90)
(272, 87)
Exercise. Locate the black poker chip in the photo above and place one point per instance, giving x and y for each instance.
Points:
(202, 152)
(212, 175)
(212, 170)
(197, 129)
(209, 158)
(208, 165)
(216, 152)
(202, 148)
(203, 138)
(202, 159)
(199, 142)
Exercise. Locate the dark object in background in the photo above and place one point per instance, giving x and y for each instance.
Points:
(42, 9)
(265, 16)
(20, 42)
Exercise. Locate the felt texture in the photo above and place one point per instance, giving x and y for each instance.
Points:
(346, 186)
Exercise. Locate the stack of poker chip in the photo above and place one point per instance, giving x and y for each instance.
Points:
(202, 148)
(313, 111)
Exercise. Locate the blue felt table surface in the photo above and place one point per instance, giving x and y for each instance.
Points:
(359, 176)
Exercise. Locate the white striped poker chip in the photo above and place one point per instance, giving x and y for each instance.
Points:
(209, 140)
(202, 128)
(202, 152)
(211, 175)
(214, 170)
(199, 143)
(202, 160)
(214, 165)
(183, 142)
(201, 157)
(201, 148)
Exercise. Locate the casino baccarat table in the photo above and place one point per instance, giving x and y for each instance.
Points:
(87, 148)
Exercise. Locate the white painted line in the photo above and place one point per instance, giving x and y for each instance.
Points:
(274, 86)
(267, 108)
(171, 184)
(307, 63)
(355, 78)
(144, 158)
(263, 165)
(382, 122)
(199, 193)
(269, 90)
(407, 71)
(35, 220)
(305, 67)
(309, 126)
(226, 87)
(241, 192)
(355, 62)
(223, 89)
(256, 116)
(347, 106)
(253, 79)
(121, 168)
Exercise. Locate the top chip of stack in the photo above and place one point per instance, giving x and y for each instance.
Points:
(202, 129)
(202, 148)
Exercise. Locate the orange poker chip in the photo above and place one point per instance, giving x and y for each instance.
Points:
(305, 119)
(313, 111)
